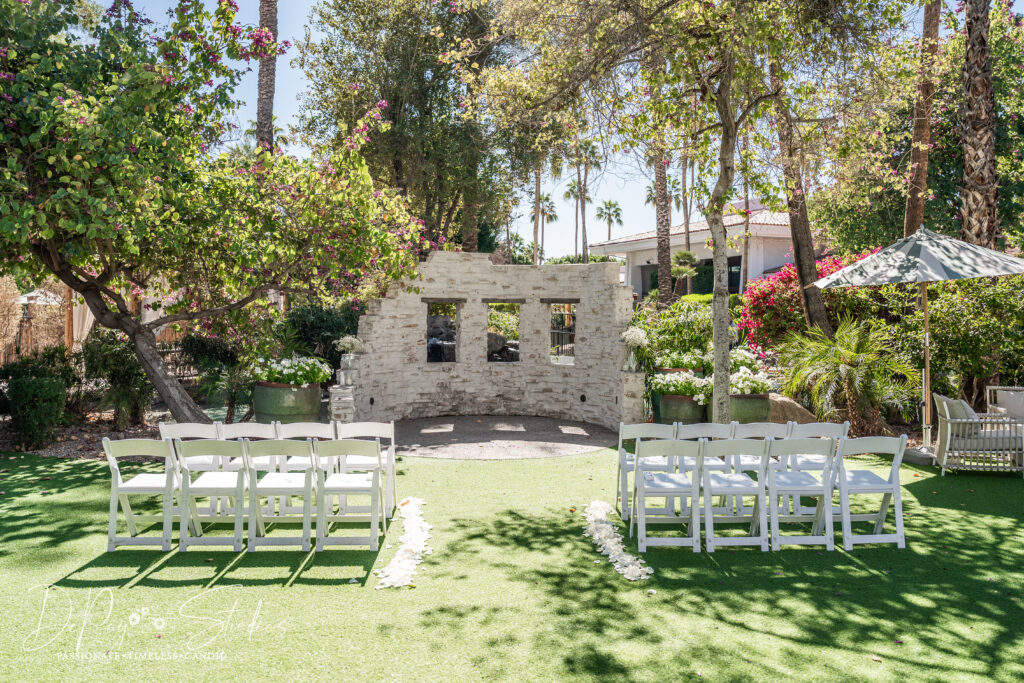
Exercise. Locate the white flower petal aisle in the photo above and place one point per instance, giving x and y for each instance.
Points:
(401, 570)
(609, 542)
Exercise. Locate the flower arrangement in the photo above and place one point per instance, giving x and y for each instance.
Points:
(297, 370)
(742, 358)
(635, 337)
(349, 344)
(683, 384)
(745, 381)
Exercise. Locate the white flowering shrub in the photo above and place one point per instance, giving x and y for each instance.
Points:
(744, 381)
(349, 344)
(742, 358)
(683, 384)
(297, 370)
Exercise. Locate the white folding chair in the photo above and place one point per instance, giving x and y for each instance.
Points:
(852, 481)
(228, 484)
(277, 483)
(163, 484)
(669, 484)
(712, 431)
(376, 430)
(736, 484)
(186, 431)
(249, 431)
(784, 482)
(323, 431)
(627, 461)
(808, 462)
(751, 463)
(335, 479)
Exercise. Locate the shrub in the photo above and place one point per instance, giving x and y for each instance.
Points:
(297, 370)
(683, 384)
(36, 406)
(504, 321)
(316, 327)
(108, 356)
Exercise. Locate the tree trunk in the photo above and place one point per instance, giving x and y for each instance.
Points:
(181, 405)
(470, 227)
(663, 223)
(815, 313)
(980, 195)
(576, 218)
(687, 207)
(745, 258)
(913, 217)
(543, 222)
(584, 195)
(719, 241)
(536, 213)
(265, 81)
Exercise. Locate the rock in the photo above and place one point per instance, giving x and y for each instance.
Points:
(495, 342)
(783, 409)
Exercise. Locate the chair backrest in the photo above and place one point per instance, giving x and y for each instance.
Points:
(783, 448)
(218, 448)
(705, 430)
(823, 430)
(669, 448)
(330, 456)
(278, 449)
(305, 430)
(731, 450)
(125, 448)
(189, 430)
(880, 445)
(365, 430)
(762, 430)
(644, 431)
(247, 430)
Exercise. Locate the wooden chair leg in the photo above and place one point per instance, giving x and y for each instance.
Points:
(129, 518)
(883, 511)
(112, 523)
(168, 520)
(901, 539)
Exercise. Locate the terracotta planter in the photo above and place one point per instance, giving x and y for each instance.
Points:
(286, 402)
(683, 409)
(746, 408)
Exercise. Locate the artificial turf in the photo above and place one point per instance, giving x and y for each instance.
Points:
(511, 591)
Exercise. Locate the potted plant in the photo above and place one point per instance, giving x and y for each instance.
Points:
(288, 390)
(748, 395)
(682, 397)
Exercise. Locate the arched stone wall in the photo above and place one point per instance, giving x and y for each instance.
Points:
(395, 381)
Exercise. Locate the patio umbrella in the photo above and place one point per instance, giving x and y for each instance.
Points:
(922, 258)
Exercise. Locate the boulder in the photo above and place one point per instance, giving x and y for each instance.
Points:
(784, 409)
(495, 342)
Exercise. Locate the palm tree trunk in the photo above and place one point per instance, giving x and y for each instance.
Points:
(746, 228)
(265, 83)
(913, 217)
(815, 313)
(576, 218)
(663, 222)
(584, 195)
(536, 212)
(980, 195)
(542, 223)
(687, 207)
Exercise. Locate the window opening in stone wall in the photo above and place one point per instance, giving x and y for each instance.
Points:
(563, 334)
(502, 332)
(442, 331)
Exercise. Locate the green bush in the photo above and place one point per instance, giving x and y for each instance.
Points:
(316, 328)
(108, 356)
(53, 361)
(504, 319)
(36, 406)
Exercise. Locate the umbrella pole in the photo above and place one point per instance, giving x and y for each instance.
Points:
(926, 428)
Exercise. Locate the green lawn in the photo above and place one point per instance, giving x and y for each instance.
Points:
(511, 591)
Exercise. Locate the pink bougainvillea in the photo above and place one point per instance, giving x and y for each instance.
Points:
(771, 303)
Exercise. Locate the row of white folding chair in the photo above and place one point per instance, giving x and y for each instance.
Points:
(339, 472)
(733, 430)
(295, 430)
(774, 482)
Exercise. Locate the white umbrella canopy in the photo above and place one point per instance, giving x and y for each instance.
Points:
(925, 257)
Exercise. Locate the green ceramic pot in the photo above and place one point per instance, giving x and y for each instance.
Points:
(683, 409)
(656, 406)
(286, 402)
(746, 408)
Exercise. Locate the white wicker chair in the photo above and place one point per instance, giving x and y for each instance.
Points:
(981, 442)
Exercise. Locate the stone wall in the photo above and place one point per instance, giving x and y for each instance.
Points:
(396, 382)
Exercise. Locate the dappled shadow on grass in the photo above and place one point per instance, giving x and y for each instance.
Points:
(961, 571)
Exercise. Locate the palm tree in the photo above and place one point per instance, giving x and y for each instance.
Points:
(675, 193)
(265, 84)
(572, 191)
(610, 212)
(979, 198)
(914, 214)
(683, 268)
(850, 376)
(548, 214)
(585, 157)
